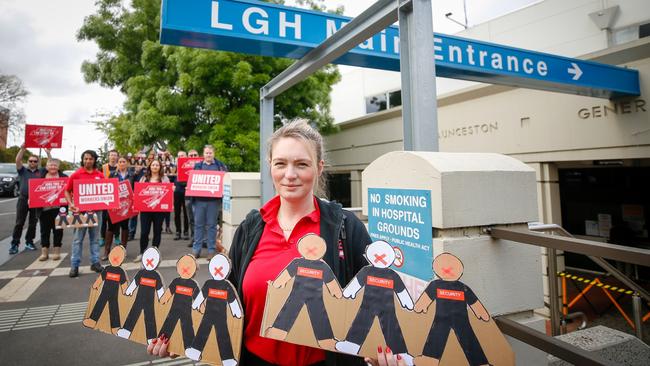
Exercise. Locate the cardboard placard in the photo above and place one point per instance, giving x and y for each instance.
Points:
(95, 194)
(154, 197)
(204, 323)
(184, 165)
(43, 136)
(205, 183)
(305, 305)
(47, 192)
(125, 210)
(65, 219)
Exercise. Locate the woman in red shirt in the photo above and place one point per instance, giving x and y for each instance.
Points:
(265, 243)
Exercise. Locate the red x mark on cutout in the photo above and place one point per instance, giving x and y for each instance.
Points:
(380, 258)
(217, 272)
(448, 270)
(312, 250)
(150, 262)
(115, 259)
(185, 270)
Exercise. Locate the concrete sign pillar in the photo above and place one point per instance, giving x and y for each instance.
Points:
(241, 194)
(426, 203)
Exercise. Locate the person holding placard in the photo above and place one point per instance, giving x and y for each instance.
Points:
(153, 175)
(22, 204)
(206, 209)
(265, 243)
(87, 171)
(122, 173)
(47, 217)
(181, 220)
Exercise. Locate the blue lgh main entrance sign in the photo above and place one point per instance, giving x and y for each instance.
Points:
(258, 28)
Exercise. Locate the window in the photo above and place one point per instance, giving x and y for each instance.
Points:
(383, 101)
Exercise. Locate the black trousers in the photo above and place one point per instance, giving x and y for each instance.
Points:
(46, 219)
(437, 339)
(387, 321)
(218, 321)
(320, 322)
(22, 210)
(180, 213)
(104, 225)
(147, 219)
(113, 308)
(247, 358)
(187, 328)
(141, 304)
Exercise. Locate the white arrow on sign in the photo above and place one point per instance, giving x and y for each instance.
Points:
(575, 70)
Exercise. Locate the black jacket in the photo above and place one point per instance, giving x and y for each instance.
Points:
(336, 225)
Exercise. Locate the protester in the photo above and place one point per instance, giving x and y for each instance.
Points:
(87, 171)
(170, 172)
(265, 243)
(188, 205)
(138, 171)
(22, 204)
(122, 173)
(180, 210)
(154, 175)
(107, 169)
(47, 217)
(206, 209)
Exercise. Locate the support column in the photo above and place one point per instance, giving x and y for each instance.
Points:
(355, 188)
(266, 130)
(418, 71)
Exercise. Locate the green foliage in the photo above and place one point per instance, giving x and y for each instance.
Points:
(8, 155)
(188, 97)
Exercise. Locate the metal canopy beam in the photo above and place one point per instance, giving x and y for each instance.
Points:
(373, 20)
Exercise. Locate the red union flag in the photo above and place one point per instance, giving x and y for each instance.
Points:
(96, 194)
(47, 192)
(154, 197)
(125, 210)
(43, 136)
(184, 166)
(205, 183)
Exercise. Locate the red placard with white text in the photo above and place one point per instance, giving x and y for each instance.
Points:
(126, 210)
(205, 183)
(96, 194)
(47, 192)
(184, 165)
(43, 136)
(154, 197)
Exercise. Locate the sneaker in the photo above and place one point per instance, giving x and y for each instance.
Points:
(190, 245)
(131, 236)
(74, 272)
(30, 246)
(14, 249)
(104, 258)
(97, 267)
(186, 236)
(197, 255)
(101, 243)
(177, 236)
(137, 259)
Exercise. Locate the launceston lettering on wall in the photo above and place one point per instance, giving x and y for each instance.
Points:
(613, 108)
(469, 130)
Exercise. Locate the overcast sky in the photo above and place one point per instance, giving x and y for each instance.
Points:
(38, 44)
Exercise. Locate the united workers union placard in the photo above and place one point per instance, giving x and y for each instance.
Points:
(402, 217)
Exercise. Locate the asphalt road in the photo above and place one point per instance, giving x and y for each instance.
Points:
(41, 308)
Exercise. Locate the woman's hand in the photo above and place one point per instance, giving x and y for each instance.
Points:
(385, 358)
(159, 347)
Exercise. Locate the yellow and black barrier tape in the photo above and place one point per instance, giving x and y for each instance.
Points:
(590, 281)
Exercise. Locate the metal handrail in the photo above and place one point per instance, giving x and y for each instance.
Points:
(596, 251)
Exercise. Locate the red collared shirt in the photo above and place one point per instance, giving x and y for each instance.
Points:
(272, 255)
(81, 173)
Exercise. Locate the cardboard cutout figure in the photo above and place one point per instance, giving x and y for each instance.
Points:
(112, 279)
(65, 219)
(380, 285)
(62, 218)
(310, 274)
(452, 299)
(184, 291)
(150, 289)
(215, 296)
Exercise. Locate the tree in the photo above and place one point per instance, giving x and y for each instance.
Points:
(185, 97)
(12, 93)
